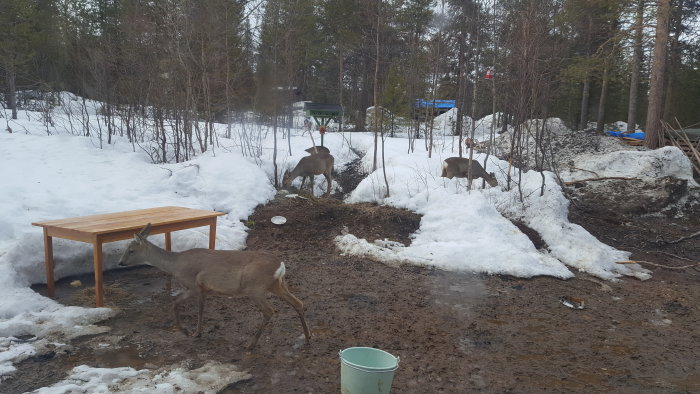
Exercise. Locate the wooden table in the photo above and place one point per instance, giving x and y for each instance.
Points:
(98, 229)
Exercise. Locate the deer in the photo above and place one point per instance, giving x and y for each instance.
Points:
(227, 272)
(459, 167)
(317, 149)
(308, 166)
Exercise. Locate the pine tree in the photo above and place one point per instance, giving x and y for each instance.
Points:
(653, 133)
(17, 43)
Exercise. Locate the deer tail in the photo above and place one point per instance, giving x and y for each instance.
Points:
(279, 274)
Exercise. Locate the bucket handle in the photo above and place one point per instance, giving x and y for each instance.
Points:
(398, 359)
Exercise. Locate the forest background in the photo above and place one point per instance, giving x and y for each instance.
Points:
(166, 70)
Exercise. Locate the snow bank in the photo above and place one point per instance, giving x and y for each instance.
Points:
(210, 378)
(643, 164)
(469, 231)
(444, 125)
(462, 232)
(569, 243)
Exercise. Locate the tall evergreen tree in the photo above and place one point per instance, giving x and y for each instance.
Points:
(654, 133)
(17, 45)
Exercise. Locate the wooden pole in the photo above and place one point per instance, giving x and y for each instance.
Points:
(48, 259)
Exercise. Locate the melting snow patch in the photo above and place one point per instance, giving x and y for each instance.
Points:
(210, 378)
(649, 165)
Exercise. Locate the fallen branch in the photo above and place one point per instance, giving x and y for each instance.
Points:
(583, 169)
(670, 254)
(657, 265)
(680, 239)
(601, 179)
(677, 137)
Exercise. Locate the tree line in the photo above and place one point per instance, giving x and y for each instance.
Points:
(187, 64)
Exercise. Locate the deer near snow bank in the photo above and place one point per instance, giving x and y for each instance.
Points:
(227, 272)
(308, 166)
(458, 167)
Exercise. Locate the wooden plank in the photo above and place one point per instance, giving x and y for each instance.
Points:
(66, 233)
(159, 214)
(632, 141)
(134, 223)
(103, 217)
(122, 234)
(105, 223)
(685, 145)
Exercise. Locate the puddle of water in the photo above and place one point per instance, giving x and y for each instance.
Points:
(472, 289)
(113, 357)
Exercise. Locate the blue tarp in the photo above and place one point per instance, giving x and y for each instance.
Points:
(637, 136)
(437, 104)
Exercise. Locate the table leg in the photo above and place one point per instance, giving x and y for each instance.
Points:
(212, 234)
(48, 259)
(168, 247)
(99, 290)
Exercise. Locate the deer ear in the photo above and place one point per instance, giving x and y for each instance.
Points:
(145, 231)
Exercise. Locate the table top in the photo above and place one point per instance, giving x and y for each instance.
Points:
(128, 220)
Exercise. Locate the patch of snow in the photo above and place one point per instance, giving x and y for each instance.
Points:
(641, 164)
(210, 378)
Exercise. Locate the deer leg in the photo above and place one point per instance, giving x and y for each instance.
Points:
(311, 177)
(267, 311)
(283, 292)
(179, 300)
(303, 179)
(328, 181)
(200, 302)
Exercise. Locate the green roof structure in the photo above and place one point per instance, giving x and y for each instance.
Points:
(323, 113)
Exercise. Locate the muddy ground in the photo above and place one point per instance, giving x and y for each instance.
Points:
(454, 332)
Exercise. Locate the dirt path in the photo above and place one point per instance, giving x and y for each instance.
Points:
(454, 332)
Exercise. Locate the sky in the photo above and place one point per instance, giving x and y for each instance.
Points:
(54, 174)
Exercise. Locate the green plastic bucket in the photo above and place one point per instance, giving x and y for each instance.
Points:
(366, 370)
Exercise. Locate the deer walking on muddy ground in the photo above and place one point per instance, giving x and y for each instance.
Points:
(459, 167)
(227, 272)
(308, 166)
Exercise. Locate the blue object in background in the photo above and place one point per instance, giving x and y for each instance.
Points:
(437, 104)
(637, 136)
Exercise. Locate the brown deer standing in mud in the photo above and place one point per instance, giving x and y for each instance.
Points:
(459, 167)
(227, 272)
(308, 166)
